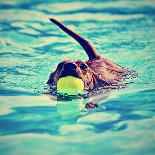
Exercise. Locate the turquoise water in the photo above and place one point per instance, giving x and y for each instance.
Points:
(31, 47)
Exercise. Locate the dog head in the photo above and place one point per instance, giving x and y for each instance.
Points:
(78, 69)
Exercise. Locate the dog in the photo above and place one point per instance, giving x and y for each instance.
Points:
(96, 72)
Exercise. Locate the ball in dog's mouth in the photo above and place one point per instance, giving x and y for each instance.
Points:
(70, 85)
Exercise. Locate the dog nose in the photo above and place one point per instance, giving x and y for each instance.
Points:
(70, 66)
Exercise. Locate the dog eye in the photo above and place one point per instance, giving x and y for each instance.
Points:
(83, 66)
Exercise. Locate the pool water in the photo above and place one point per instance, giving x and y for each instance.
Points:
(31, 47)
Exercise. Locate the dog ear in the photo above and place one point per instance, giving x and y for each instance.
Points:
(51, 80)
(99, 82)
(55, 75)
(93, 81)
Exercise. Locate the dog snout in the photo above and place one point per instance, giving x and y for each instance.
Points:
(70, 66)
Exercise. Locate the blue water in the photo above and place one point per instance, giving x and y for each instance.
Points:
(31, 47)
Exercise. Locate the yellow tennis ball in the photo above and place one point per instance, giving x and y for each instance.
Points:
(70, 85)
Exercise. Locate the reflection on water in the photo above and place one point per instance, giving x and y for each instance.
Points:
(31, 47)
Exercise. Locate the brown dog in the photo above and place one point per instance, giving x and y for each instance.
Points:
(96, 72)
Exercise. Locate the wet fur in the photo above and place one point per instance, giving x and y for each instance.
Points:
(100, 72)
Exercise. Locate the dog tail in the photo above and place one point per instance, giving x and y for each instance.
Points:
(87, 46)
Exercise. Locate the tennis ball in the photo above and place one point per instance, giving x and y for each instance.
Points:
(70, 85)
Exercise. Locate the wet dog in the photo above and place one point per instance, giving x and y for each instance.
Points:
(96, 72)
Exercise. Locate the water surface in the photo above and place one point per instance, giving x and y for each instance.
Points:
(31, 47)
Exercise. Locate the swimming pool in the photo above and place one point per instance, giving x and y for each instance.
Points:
(31, 47)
